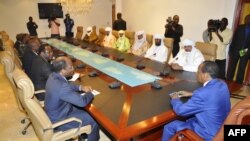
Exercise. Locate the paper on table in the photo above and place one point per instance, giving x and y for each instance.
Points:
(94, 92)
(75, 76)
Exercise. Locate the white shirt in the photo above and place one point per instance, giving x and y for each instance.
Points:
(222, 46)
(189, 61)
(157, 53)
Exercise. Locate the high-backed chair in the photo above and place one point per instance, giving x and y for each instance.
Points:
(115, 33)
(149, 38)
(239, 115)
(9, 47)
(43, 127)
(101, 36)
(169, 43)
(208, 50)
(79, 32)
(131, 36)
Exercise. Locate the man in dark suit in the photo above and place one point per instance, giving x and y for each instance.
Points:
(207, 108)
(239, 50)
(63, 100)
(30, 54)
(41, 68)
(119, 24)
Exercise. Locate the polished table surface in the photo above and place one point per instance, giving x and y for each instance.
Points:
(129, 112)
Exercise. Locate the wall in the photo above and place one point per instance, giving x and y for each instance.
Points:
(14, 15)
(151, 15)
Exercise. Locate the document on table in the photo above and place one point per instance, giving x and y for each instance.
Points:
(75, 76)
(94, 92)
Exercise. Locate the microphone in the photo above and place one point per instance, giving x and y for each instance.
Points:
(141, 66)
(115, 85)
(93, 48)
(94, 73)
(156, 85)
(166, 70)
(104, 53)
(119, 57)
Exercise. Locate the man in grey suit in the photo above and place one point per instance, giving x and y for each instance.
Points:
(63, 99)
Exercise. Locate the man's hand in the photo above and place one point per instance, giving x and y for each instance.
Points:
(176, 66)
(86, 88)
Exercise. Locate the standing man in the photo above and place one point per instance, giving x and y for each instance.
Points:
(119, 24)
(174, 30)
(54, 26)
(32, 26)
(239, 50)
(63, 99)
(221, 37)
(69, 23)
(207, 108)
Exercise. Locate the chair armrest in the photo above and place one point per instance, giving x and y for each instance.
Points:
(186, 135)
(39, 91)
(67, 121)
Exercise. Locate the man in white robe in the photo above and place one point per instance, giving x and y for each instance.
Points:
(109, 39)
(188, 59)
(157, 51)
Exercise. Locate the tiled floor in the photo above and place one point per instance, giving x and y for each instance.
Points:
(10, 116)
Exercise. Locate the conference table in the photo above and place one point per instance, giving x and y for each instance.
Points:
(134, 111)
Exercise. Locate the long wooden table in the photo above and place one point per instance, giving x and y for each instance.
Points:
(134, 112)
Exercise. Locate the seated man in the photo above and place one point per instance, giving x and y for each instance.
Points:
(41, 68)
(207, 108)
(157, 51)
(109, 39)
(188, 59)
(91, 35)
(30, 54)
(63, 100)
(140, 45)
(122, 44)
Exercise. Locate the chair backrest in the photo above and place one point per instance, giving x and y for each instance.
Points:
(169, 43)
(9, 67)
(101, 36)
(131, 36)
(40, 121)
(115, 33)
(149, 38)
(79, 32)
(208, 50)
(9, 47)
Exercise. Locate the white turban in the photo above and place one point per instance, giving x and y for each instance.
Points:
(188, 42)
(158, 36)
(121, 31)
(141, 32)
(89, 28)
(108, 29)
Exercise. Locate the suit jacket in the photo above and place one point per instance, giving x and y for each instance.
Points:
(208, 108)
(239, 41)
(119, 24)
(27, 60)
(62, 97)
(40, 71)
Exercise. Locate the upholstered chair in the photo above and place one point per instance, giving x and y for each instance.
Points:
(41, 123)
(169, 42)
(79, 32)
(208, 50)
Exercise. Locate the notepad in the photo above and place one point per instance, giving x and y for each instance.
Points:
(94, 92)
(75, 76)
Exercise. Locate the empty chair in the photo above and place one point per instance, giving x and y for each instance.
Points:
(149, 38)
(43, 127)
(79, 32)
(131, 36)
(207, 49)
(169, 43)
(239, 115)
